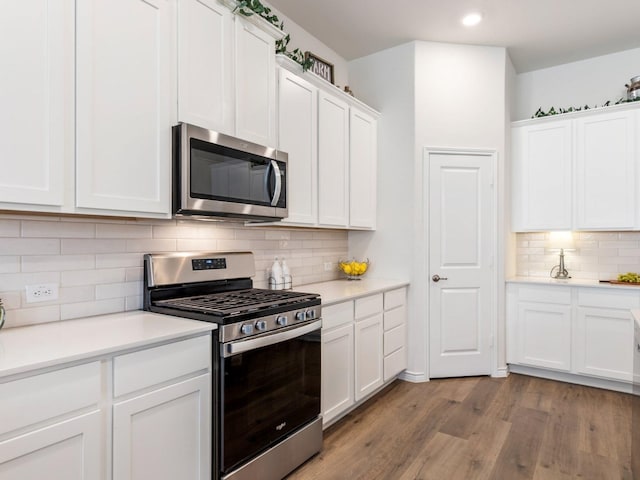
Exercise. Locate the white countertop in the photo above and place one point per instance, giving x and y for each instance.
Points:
(571, 282)
(636, 316)
(337, 291)
(38, 346)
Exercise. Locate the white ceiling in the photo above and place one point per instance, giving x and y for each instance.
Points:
(537, 33)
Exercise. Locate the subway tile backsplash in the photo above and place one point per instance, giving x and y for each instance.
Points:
(598, 255)
(98, 262)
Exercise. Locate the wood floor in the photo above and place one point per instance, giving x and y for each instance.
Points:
(480, 428)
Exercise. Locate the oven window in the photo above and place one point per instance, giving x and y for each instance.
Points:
(226, 174)
(267, 394)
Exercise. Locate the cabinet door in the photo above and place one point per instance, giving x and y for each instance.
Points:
(255, 84)
(542, 182)
(368, 355)
(605, 171)
(36, 94)
(333, 161)
(164, 434)
(205, 65)
(124, 98)
(298, 136)
(337, 372)
(68, 450)
(544, 335)
(362, 170)
(602, 345)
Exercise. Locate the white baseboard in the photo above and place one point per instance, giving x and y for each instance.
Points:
(502, 372)
(618, 386)
(414, 377)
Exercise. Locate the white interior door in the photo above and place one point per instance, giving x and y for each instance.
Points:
(461, 246)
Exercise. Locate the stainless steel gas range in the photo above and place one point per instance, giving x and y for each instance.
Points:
(266, 386)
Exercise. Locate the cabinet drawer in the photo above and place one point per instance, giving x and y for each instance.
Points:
(395, 363)
(368, 306)
(143, 369)
(395, 298)
(624, 300)
(394, 340)
(338, 314)
(34, 399)
(395, 317)
(559, 295)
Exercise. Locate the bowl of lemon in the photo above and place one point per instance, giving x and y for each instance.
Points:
(353, 269)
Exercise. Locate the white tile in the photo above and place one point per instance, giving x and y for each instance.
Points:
(93, 277)
(237, 245)
(119, 260)
(11, 300)
(78, 246)
(151, 245)
(133, 303)
(277, 234)
(29, 246)
(9, 264)
(123, 231)
(33, 315)
(88, 309)
(619, 244)
(135, 274)
(175, 231)
(56, 263)
(301, 234)
(216, 232)
(9, 228)
(250, 234)
(12, 282)
(196, 245)
(81, 293)
(32, 228)
(118, 290)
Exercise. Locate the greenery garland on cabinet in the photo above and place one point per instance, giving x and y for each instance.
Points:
(251, 7)
(552, 111)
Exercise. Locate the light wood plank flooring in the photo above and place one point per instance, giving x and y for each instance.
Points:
(480, 428)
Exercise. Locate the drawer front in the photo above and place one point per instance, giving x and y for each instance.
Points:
(35, 399)
(559, 295)
(143, 369)
(367, 306)
(395, 317)
(394, 340)
(395, 298)
(336, 315)
(604, 298)
(395, 363)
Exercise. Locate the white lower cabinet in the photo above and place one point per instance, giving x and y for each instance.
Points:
(363, 347)
(67, 423)
(576, 330)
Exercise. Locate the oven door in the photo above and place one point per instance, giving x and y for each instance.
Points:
(270, 387)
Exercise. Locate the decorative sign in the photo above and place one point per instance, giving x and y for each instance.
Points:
(320, 67)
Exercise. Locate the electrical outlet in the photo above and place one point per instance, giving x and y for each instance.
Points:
(328, 266)
(43, 292)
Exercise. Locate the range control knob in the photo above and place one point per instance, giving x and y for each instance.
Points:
(300, 316)
(261, 325)
(246, 329)
(282, 321)
(311, 314)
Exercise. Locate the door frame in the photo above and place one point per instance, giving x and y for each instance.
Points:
(492, 156)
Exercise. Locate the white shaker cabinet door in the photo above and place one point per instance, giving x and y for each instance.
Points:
(606, 171)
(255, 84)
(369, 355)
(36, 94)
(205, 65)
(124, 99)
(542, 176)
(362, 170)
(333, 161)
(337, 372)
(297, 132)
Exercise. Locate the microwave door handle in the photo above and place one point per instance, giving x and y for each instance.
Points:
(276, 194)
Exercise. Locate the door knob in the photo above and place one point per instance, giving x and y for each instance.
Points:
(437, 278)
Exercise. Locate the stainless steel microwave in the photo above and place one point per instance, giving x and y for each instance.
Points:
(215, 175)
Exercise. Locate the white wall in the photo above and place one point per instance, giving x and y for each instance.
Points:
(592, 81)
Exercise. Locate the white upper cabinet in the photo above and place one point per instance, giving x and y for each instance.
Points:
(298, 136)
(577, 171)
(205, 45)
(362, 169)
(333, 161)
(606, 159)
(36, 94)
(542, 176)
(123, 105)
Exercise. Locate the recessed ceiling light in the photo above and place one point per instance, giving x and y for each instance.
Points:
(472, 19)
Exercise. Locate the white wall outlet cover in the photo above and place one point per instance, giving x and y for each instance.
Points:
(43, 292)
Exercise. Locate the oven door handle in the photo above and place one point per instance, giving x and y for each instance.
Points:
(234, 348)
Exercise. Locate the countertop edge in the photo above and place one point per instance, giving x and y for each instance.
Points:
(572, 282)
(337, 291)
